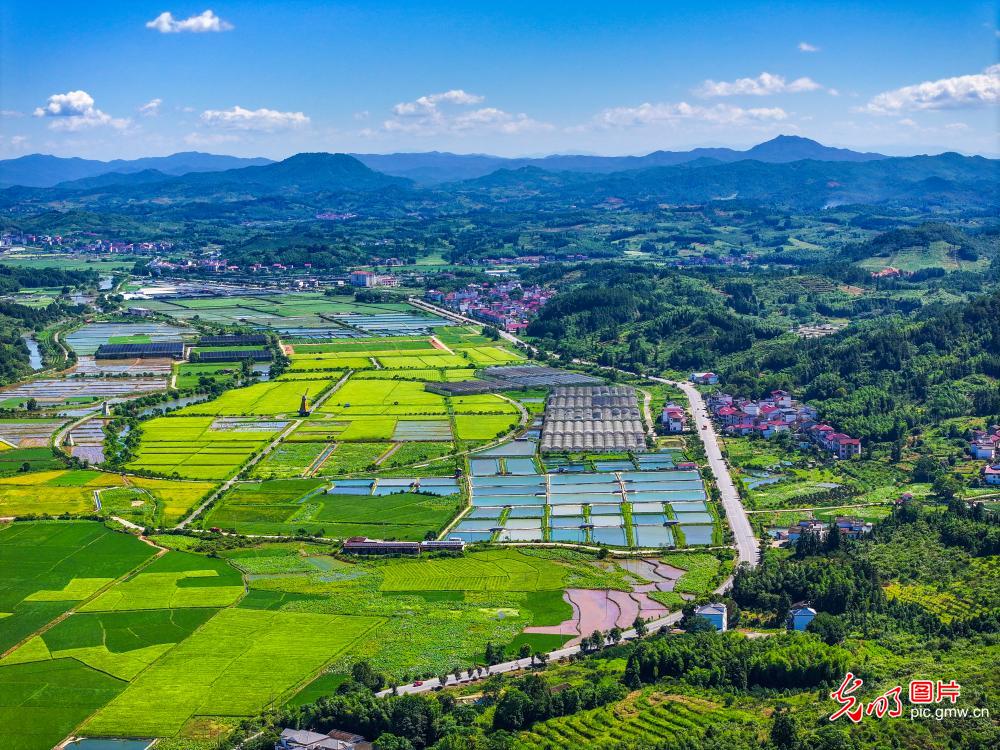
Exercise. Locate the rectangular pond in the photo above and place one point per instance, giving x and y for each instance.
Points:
(612, 536)
(652, 536)
(522, 466)
(693, 517)
(571, 536)
(697, 534)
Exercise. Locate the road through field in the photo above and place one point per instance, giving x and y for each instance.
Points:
(292, 426)
(747, 548)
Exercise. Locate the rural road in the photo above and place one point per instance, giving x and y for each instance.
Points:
(747, 548)
(519, 664)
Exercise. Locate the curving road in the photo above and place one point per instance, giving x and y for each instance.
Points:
(747, 547)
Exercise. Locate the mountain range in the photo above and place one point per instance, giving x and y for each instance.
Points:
(42, 170)
(436, 167)
(787, 170)
(428, 168)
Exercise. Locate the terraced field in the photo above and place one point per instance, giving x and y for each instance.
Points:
(647, 718)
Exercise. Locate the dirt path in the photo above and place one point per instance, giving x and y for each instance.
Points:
(388, 454)
(820, 507)
(439, 344)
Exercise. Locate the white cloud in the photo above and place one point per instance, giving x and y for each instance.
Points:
(11, 113)
(207, 21)
(424, 116)
(956, 126)
(429, 103)
(75, 110)
(806, 47)
(653, 114)
(267, 120)
(909, 123)
(151, 108)
(766, 84)
(975, 90)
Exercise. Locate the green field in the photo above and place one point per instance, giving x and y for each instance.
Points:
(261, 399)
(505, 570)
(47, 567)
(173, 581)
(238, 663)
(286, 507)
(193, 448)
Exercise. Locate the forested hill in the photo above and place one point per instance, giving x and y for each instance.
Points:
(635, 316)
(878, 379)
(924, 235)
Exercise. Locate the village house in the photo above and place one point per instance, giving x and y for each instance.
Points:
(674, 418)
(985, 444)
(799, 616)
(852, 528)
(716, 614)
(795, 532)
(704, 378)
(991, 474)
(335, 739)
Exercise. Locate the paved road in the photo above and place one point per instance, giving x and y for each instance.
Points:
(519, 664)
(747, 547)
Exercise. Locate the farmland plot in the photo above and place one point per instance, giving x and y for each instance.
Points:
(46, 567)
(233, 666)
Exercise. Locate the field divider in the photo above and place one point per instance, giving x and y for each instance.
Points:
(264, 452)
(160, 551)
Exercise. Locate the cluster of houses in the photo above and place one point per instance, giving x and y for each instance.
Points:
(780, 413)
(371, 279)
(985, 445)
(83, 244)
(849, 528)
(509, 305)
(160, 266)
(889, 272)
(799, 615)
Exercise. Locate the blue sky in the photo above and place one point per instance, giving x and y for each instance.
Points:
(113, 79)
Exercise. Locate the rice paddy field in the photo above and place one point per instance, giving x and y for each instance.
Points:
(175, 644)
(383, 509)
(78, 492)
(200, 447)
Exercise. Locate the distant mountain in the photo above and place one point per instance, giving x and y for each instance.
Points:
(436, 167)
(108, 179)
(42, 170)
(946, 180)
(302, 173)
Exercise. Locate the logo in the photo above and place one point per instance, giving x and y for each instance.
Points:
(921, 695)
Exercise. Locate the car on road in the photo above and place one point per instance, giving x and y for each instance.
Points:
(418, 683)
